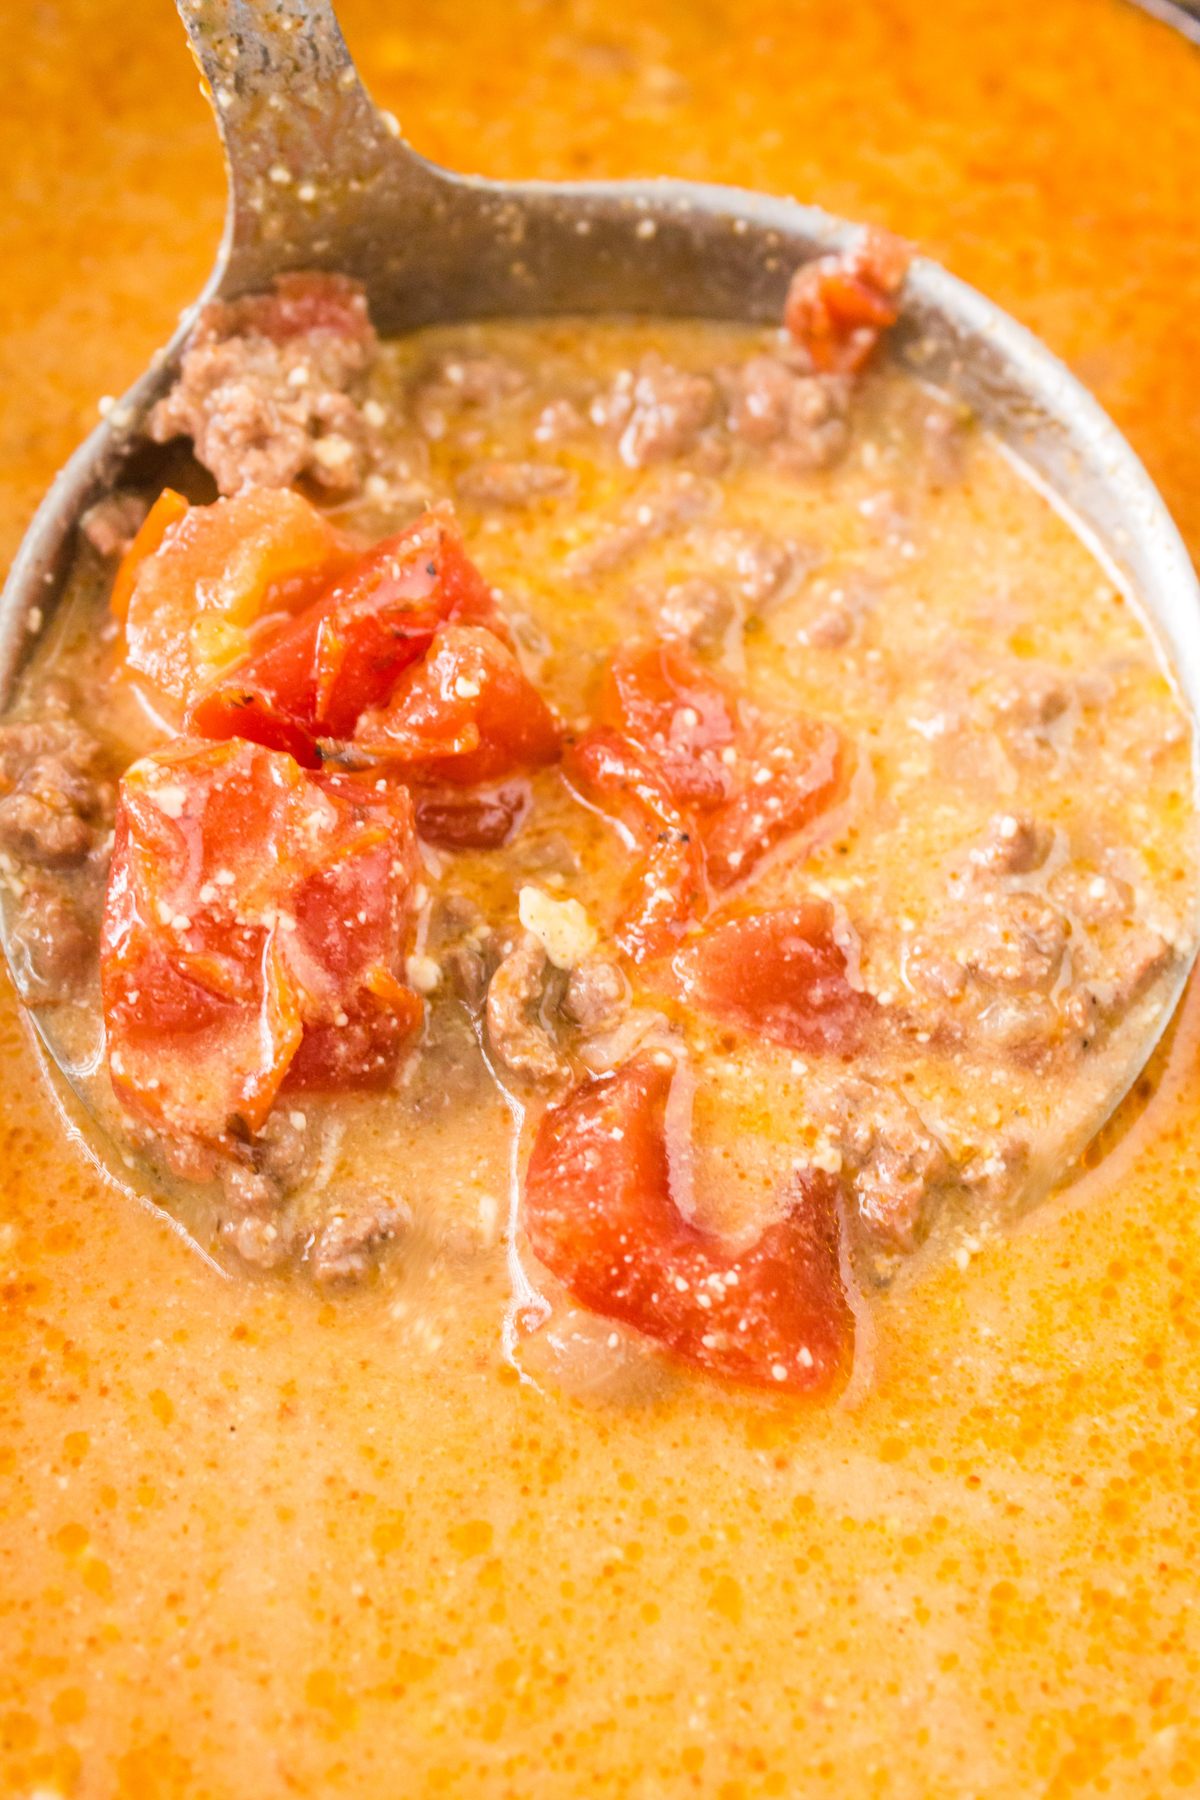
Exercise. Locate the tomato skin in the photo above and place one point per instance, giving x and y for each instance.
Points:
(166, 512)
(465, 714)
(362, 1054)
(838, 306)
(251, 907)
(661, 696)
(805, 769)
(344, 654)
(599, 1214)
(483, 820)
(671, 860)
(779, 975)
(197, 601)
(704, 796)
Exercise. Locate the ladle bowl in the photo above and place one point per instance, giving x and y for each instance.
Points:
(320, 178)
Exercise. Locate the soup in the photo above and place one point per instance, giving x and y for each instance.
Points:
(702, 1591)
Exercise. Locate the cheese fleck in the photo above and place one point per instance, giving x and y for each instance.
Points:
(562, 927)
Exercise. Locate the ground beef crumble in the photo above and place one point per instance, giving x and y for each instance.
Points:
(270, 385)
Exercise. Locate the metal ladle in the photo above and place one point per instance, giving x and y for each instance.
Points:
(320, 178)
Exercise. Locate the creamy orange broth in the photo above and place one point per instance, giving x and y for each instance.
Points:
(257, 1543)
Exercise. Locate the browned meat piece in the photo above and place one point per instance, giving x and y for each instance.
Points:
(712, 452)
(513, 483)
(597, 995)
(281, 1147)
(659, 412)
(1116, 974)
(557, 422)
(517, 1035)
(663, 505)
(1017, 944)
(265, 402)
(264, 1243)
(803, 415)
(458, 384)
(466, 970)
(759, 394)
(896, 1166)
(249, 1191)
(50, 947)
(1014, 844)
(1026, 1024)
(1031, 707)
(839, 607)
(817, 431)
(757, 566)
(480, 380)
(112, 524)
(54, 807)
(997, 1173)
(1093, 898)
(1142, 957)
(699, 610)
(831, 629)
(1078, 1011)
(934, 970)
(350, 1241)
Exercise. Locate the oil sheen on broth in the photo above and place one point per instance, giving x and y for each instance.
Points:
(452, 1610)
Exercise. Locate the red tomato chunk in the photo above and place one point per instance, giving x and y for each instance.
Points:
(786, 776)
(484, 820)
(661, 697)
(838, 306)
(465, 714)
(345, 653)
(253, 936)
(700, 797)
(599, 1214)
(669, 860)
(779, 975)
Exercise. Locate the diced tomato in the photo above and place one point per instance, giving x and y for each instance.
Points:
(598, 1212)
(837, 306)
(218, 572)
(779, 975)
(671, 863)
(786, 776)
(660, 696)
(482, 820)
(345, 653)
(301, 302)
(254, 913)
(465, 714)
(167, 511)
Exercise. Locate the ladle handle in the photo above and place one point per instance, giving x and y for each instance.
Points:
(302, 137)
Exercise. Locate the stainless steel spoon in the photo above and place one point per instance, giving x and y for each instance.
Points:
(320, 178)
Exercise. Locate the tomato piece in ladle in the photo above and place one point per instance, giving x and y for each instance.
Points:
(785, 777)
(670, 862)
(839, 306)
(599, 1214)
(660, 695)
(780, 975)
(465, 714)
(196, 602)
(345, 653)
(253, 935)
